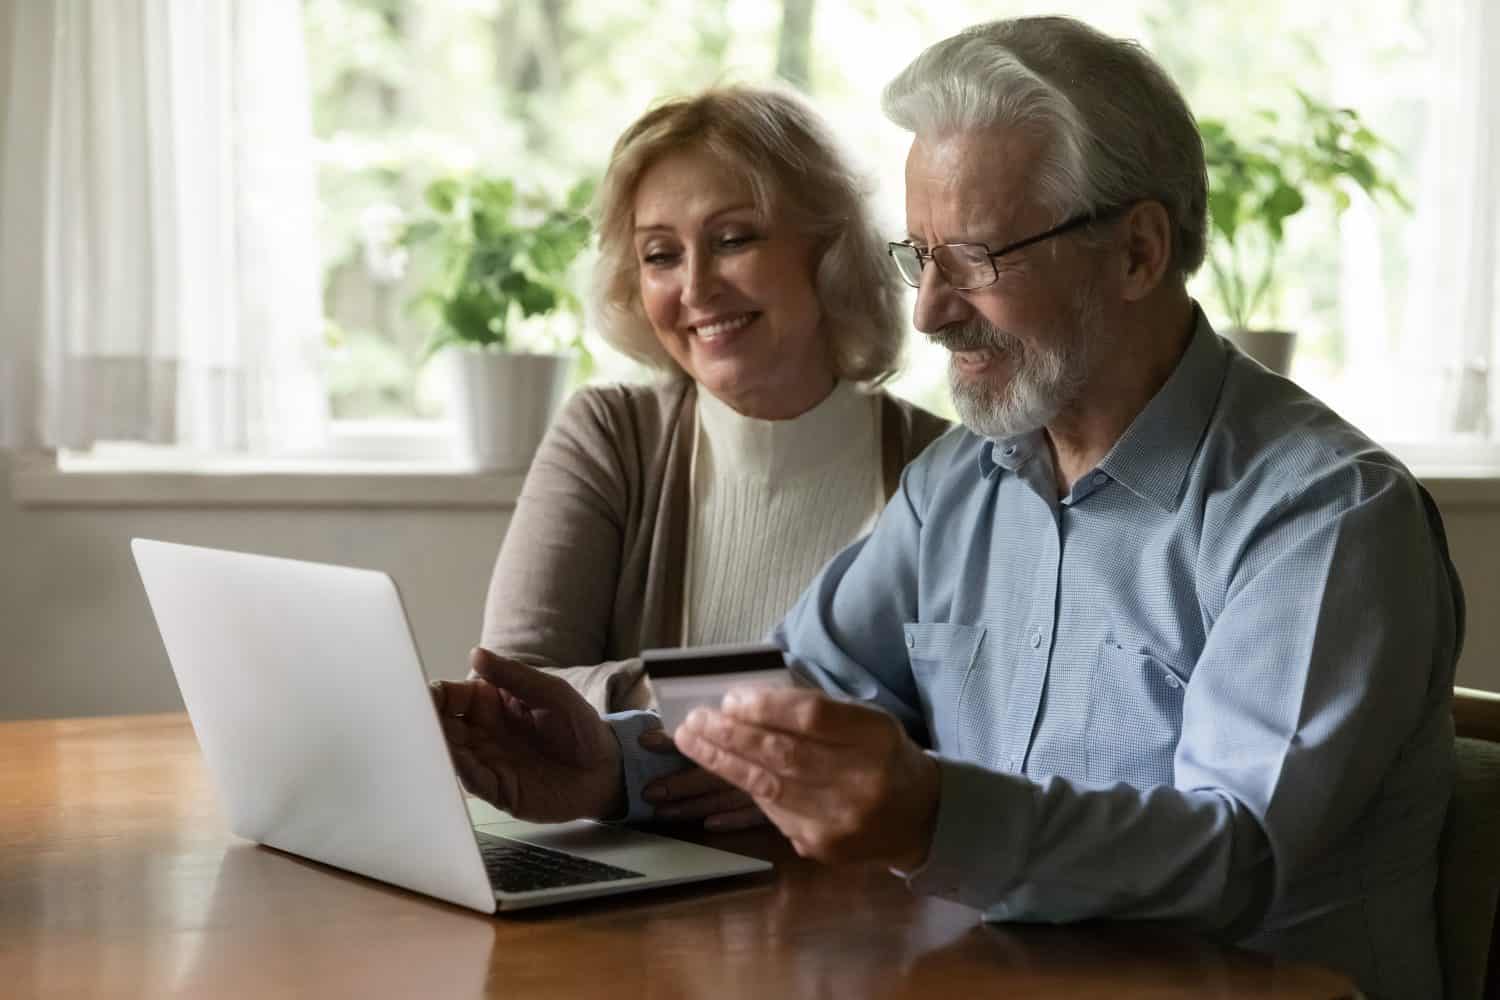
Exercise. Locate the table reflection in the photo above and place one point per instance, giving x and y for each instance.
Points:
(282, 922)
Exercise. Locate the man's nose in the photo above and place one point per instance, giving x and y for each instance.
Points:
(938, 305)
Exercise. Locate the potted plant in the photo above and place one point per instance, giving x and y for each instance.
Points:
(1255, 184)
(498, 261)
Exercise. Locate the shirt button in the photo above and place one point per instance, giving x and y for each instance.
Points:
(1100, 479)
(1171, 680)
(911, 641)
(1036, 638)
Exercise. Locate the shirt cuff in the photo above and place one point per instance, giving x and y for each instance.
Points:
(638, 765)
(979, 842)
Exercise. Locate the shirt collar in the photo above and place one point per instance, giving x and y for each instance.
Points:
(1152, 457)
(1009, 453)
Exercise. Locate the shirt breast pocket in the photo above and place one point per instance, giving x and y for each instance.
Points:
(1135, 717)
(941, 656)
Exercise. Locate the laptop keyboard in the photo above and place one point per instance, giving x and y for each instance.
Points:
(515, 866)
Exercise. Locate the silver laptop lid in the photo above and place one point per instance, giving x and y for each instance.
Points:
(311, 707)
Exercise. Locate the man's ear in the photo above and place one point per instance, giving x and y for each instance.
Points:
(1148, 249)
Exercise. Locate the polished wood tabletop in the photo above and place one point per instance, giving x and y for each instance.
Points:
(118, 878)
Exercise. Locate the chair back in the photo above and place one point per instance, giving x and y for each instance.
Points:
(1469, 856)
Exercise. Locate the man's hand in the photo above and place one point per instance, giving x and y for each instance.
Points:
(528, 743)
(697, 794)
(843, 781)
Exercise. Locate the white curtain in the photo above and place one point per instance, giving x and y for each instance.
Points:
(1458, 275)
(159, 278)
(1453, 305)
(1426, 373)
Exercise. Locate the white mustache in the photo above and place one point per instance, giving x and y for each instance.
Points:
(975, 337)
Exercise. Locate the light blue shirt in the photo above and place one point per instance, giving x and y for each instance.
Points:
(1212, 683)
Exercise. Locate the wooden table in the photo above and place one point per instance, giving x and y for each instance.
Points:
(118, 879)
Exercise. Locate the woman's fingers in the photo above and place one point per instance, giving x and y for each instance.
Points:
(656, 741)
(738, 819)
(478, 779)
(688, 784)
(701, 806)
(536, 688)
(476, 701)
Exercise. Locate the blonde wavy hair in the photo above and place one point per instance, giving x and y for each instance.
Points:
(794, 168)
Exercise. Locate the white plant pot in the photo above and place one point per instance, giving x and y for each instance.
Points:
(501, 404)
(1272, 348)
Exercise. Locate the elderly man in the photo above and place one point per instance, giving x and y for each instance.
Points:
(1154, 635)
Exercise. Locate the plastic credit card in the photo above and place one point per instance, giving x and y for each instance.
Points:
(690, 676)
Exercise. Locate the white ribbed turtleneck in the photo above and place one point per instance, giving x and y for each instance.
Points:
(772, 501)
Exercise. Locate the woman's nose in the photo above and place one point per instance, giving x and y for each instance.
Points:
(702, 280)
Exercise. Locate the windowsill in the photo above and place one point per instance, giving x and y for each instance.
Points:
(1460, 488)
(36, 481)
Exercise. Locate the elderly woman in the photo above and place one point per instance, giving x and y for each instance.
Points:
(737, 256)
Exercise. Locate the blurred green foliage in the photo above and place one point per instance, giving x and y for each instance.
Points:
(497, 258)
(1261, 176)
(406, 92)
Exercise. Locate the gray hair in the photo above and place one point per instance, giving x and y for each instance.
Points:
(792, 165)
(1119, 129)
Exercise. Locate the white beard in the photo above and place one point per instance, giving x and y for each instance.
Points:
(1044, 382)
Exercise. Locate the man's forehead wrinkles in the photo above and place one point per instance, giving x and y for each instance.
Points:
(963, 218)
(970, 186)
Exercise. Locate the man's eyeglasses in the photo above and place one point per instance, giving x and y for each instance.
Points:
(967, 266)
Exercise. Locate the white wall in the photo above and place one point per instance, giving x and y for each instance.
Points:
(1474, 540)
(7, 17)
(77, 637)
(76, 634)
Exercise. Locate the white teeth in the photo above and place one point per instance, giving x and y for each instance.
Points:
(719, 329)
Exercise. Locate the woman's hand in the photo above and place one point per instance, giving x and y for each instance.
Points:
(527, 743)
(696, 794)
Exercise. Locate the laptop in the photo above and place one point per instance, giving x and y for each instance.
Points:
(311, 708)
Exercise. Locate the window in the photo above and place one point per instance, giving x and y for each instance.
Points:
(536, 91)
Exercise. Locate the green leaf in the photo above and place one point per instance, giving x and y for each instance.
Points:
(497, 196)
(580, 196)
(469, 315)
(536, 300)
(512, 283)
(442, 194)
(419, 232)
(556, 246)
(1223, 209)
(425, 300)
(1284, 201)
(1362, 171)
